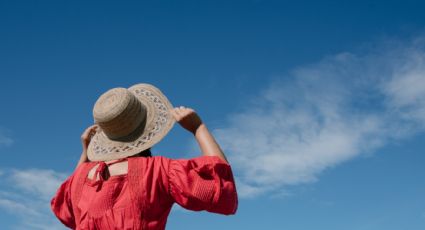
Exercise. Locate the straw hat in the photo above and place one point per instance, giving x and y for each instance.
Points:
(130, 121)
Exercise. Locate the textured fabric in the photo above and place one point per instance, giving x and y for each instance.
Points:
(142, 198)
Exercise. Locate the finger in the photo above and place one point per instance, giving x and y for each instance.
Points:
(86, 133)
(93, 132)
(178, 111)
(85, 137)
(93, 127)
(188, 111)
(89, 132)
(182, 107)
(176, 115)
(185, 112)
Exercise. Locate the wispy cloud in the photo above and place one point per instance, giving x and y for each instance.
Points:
(39, 182)
(326, 113)
(26, 194)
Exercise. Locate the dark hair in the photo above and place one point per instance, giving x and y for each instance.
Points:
(144, 153)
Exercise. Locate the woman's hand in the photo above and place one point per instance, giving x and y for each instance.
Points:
(187, 118)
(85, 141)
(87, 135)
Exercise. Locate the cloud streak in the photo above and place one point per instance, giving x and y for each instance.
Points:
(40, 182)
(26, 194)
(326, 113)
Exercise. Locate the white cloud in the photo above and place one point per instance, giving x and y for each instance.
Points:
(324, 114)
(26, 194)
(406, 87)
(40, 182)
(16, 207)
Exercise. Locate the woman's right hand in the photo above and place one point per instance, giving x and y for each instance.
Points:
(187, 118)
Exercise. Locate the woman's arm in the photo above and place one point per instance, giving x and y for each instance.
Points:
(190, 120)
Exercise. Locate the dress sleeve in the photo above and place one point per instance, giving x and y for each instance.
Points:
(61, 204)
(203, 183)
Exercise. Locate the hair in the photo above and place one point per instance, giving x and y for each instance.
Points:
(144, 153)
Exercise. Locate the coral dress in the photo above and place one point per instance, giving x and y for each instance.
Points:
(142, 198)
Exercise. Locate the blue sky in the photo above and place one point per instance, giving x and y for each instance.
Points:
(318, 106)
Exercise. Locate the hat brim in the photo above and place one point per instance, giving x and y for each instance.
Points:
(159, 122)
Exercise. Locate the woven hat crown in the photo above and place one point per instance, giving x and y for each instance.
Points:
(119, 114)
(130, 120)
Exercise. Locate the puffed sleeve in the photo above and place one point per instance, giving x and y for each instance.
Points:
(203, 183)
(61, 204)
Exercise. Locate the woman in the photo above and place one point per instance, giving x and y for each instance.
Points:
(117, 184)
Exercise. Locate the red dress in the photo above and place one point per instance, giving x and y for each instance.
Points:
(142, 198)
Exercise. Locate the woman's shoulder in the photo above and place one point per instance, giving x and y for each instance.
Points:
(165, 163)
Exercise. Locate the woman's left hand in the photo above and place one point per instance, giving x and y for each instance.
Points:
(87, 135)
(85, 141)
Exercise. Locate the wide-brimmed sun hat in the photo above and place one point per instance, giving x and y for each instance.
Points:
(130, 121)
